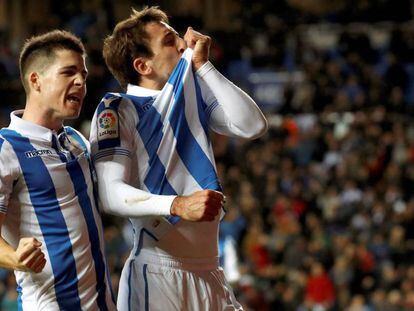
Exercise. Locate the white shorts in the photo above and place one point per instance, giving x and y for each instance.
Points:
(162, 283)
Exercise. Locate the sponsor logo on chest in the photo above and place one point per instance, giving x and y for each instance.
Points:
(37, 153)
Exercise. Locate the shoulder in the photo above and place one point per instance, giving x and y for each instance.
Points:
(113, 101)
(114, 105)
(7, 138)
(117, 110)
(1, 142)
(3, 150)
(8, 156)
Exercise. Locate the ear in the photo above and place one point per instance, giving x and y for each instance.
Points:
(34, 81)
(142, 65)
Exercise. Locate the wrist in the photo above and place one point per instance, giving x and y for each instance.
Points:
(198, 65)
(176, 206)
(15, 262)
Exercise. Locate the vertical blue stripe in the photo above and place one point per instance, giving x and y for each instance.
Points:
(1, 143)
(138, 250)
(51, 221)
(144, 272)
(149, 128)
(178, 73)
(72, 133)
(55, 146)
(19, 298)
(141, 240)
(201, 107)
(130, 285)
(81, 191)
(190, 152)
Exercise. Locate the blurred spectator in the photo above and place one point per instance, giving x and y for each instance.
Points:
(319, 288)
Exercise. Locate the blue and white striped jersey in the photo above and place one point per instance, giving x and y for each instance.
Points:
(169, 130)
(165, 133)
(46, 192)
(157, 141)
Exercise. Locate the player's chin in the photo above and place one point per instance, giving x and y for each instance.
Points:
(72, 110)
(72, 113)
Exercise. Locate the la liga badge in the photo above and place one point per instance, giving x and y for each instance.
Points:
(108, 125)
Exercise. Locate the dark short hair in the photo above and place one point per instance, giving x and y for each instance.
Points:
(128, 41)
(43, 47)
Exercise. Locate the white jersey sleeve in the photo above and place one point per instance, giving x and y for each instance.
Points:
(113, 134)
(119, 198)
(9, 172)
(230, 110)
(112, 128)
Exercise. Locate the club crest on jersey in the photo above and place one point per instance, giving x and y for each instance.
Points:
(37, 153)
(108, 124)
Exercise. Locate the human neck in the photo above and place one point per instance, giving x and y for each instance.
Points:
(35, 114)
(151, 84)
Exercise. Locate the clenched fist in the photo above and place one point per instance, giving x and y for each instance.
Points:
(29, 256)
(200, 44)
(200, 206)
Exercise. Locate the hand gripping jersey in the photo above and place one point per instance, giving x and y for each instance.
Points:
(46, 192)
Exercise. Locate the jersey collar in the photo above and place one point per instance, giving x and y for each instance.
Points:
(141, 91)
(29, 129)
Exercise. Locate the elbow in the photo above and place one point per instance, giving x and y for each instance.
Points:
(105, 204)
(105, 207)
(258, 129)
(262, 128)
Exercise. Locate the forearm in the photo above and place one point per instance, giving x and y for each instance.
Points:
(119, 198)
(236, 114)
(8, 259)
(27, 257)
(127, 201)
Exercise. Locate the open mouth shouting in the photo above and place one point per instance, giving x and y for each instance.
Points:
(75, 99)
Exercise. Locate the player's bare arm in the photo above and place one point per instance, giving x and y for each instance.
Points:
(27, 257)
(200, 206)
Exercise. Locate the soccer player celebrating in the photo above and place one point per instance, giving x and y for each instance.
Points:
(155, 163)
(51, 232)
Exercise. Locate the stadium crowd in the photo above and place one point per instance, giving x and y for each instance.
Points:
(321, 209)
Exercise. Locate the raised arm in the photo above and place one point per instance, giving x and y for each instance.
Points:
(232, 112)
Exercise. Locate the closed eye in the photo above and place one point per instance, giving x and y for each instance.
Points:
(169, 39)
(68, 72)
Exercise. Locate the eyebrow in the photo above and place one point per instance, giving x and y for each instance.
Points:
(167, 35)
(168, 28)
(169, 31)
(73, 67)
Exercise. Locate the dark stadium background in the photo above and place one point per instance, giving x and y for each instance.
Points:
(321, 209)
